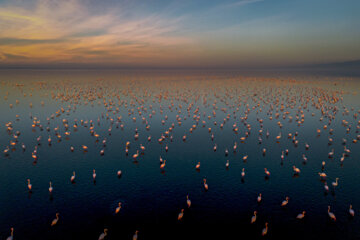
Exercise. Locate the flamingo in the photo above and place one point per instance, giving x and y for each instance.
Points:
(342, 158)
(322, 175)
(29, 185)
(135, 237)
(267, 173)
(103, 235)
(163, 165)
(117, 210)
(346, 150)
(259, 198)
(119, 173)
(243, 173)
(11, 237)
(331, 215)
(301, 215)
(188, 202)
(54, 222)
(278, 137)
(265, 230)
(197, 166)
(351, 211)
(253, 218)
(94, 175)
(181, 214)
(296, 170)
(72, 179)
(205, 185)
(335, 184)
(136, 155)
(326, 187)
(227, 164)
(304, 158)
(285, 202)
(50, 188)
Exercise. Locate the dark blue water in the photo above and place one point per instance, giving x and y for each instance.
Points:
(152, 198)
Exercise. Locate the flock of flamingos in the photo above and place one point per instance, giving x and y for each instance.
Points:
(282, 101)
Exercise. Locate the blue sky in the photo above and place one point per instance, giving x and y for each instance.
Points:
(243, 33)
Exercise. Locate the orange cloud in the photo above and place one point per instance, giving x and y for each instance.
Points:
(66, 31)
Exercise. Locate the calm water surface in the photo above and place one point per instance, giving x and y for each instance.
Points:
(152, 198)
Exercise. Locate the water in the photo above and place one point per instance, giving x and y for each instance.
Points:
(152, 198)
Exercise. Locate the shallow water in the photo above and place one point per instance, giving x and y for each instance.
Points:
(152, 198)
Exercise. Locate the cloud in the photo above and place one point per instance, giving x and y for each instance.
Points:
(61, 31)
(88, 33)
(22, 41)
(245, 2)
(184, 33)
(12, 56)
(10, 16)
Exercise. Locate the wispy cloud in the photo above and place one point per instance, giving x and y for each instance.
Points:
(65, 30)
(187, 33)
(22, 41)
(245, 2)
(7, 56)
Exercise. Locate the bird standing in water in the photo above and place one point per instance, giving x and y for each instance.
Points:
(135, 237)
(54, 222)
(11, 237)
(72, 179)
(103, 235)
(351, 211)
(50, 187)
(181, 214)
(188, 202)
(301, 215)
(117, 210)
(29, 185)
(285, 202)
(205, 185)
(253, 218)
(94, 175)
(265, 230)
(331, 215)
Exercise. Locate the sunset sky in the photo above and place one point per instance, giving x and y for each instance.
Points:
(151, 33)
